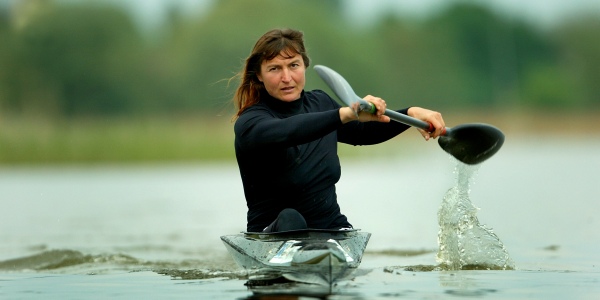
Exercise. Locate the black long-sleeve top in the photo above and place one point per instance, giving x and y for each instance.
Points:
(287, 156)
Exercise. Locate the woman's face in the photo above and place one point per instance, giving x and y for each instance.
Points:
(283, 77)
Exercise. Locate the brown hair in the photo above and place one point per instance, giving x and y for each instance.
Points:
(288, 42)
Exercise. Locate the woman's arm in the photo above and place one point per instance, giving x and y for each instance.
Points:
(373, 128)
(259, 128)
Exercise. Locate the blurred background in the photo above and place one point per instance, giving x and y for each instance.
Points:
(96, 81)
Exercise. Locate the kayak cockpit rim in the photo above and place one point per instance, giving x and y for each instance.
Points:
(302, 234)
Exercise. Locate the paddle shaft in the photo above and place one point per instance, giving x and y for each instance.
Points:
(469, 143)
(402, 118)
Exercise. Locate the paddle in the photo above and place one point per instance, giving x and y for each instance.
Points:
(469, 143)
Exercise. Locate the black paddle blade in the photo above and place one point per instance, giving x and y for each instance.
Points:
(472, 143)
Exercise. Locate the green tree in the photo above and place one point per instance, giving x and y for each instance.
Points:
(205, 53)
(76, 59)
(579, 45)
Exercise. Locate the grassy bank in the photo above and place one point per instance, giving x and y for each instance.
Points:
(201, 138)
(29, 141)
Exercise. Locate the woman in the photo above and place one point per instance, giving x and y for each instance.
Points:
(286, 138)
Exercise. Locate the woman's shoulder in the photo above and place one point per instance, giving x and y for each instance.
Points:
(258, 110)
(321, 97)
(317, 94)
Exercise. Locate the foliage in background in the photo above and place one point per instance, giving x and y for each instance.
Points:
(81, 81)
(70, 60)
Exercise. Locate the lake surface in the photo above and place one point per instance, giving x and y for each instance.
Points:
(153, 231)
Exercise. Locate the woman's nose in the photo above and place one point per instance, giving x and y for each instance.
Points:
(286, 75)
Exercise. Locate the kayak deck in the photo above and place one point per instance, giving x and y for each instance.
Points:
(313, 256)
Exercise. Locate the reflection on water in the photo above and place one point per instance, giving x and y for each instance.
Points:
(464, 243)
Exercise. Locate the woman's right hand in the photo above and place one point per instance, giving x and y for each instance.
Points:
(348, 114)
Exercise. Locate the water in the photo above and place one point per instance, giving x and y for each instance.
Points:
(153, 231)
(464, 243)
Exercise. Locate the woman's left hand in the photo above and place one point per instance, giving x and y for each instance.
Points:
(432, 117)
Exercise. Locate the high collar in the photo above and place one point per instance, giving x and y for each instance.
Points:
(283, 108)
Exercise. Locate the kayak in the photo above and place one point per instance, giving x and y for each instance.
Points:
(309, 256)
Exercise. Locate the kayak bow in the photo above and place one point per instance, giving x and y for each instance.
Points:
(310, 256)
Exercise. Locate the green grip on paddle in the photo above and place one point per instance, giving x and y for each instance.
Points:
(372, 108)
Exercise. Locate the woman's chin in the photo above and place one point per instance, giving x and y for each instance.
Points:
(289, 97)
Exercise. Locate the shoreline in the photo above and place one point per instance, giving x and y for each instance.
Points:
(201, 138)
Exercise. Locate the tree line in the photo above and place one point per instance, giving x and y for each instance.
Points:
(66, 60)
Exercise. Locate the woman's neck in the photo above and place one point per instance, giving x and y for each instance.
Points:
(283, 107)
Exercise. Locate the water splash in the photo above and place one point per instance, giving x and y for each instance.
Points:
(463, 242)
